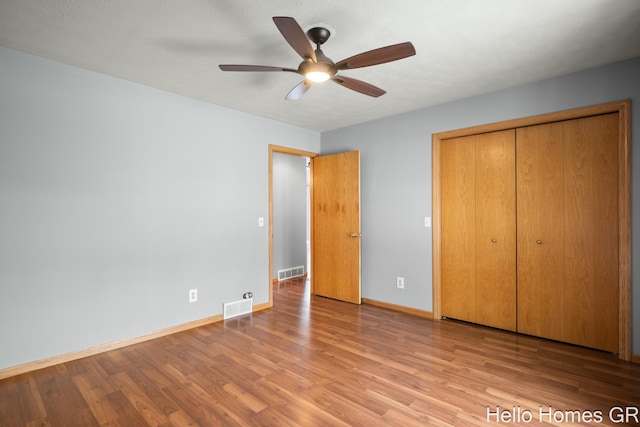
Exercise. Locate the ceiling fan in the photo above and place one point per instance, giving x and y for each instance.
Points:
(317, 67)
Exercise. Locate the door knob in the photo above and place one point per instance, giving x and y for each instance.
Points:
(354, 234)
(493, 240)
(539, 242)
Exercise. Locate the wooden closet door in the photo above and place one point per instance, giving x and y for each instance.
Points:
(458, 245)
(540, 247)
(496, 229)
(478, 229)
(591, 232)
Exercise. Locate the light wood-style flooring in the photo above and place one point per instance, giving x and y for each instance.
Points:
(312, 361)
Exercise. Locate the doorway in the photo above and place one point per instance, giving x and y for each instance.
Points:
(334, 224)
(289, 211)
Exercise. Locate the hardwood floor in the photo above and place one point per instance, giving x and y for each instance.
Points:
(312, 361)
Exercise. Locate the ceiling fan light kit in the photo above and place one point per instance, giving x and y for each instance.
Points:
(317, 76)
(316, 67)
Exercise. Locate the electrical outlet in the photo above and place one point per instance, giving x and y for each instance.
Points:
(400, 282)
(193, 295)
(247, 295)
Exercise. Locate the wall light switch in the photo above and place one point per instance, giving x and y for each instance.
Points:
(260, 222)
(427, 221)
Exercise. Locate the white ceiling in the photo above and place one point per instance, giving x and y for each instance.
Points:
(464, 47)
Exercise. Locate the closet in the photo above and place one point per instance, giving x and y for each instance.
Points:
(529, 228)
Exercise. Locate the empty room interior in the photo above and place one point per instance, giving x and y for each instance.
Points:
(319, 213)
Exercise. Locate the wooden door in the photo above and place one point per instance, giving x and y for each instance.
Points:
(496, 229)
(336, 226)
(478, 229)
(458, 225)
(568, 257)
(540, 247)
(591, 232)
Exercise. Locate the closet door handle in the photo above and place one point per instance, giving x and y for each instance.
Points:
(493, 240)
(539, 242)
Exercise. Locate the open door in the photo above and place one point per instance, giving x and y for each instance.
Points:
(336, 226)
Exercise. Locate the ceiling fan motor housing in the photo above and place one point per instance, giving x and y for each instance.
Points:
(321, 66)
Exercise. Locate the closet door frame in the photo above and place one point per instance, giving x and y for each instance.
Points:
(623, 108)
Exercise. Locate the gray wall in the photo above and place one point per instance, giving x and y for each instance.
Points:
(289, 212)
(396, 173)
(115, 200)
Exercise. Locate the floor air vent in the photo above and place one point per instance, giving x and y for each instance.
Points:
(290, 273)
(237, 308)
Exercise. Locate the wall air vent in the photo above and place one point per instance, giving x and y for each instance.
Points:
(290, 273)
(237, 308)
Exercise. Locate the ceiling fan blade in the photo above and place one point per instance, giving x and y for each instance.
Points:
(233, 67)
(359, 86)
(295, 36)
(377, 56)
(299, 90)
